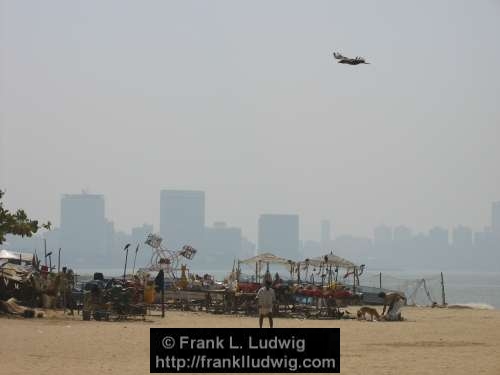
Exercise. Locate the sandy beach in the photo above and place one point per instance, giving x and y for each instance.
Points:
(431, 341)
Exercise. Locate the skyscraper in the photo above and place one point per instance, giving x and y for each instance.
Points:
(221, 246)
(279, 234)
(326, 240)
(83, 236)
(182, 218)
(495, 217)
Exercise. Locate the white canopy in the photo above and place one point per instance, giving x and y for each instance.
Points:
(7, 254)
(267, 258)
(330, 260)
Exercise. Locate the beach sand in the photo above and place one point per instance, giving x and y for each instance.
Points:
(431, 341)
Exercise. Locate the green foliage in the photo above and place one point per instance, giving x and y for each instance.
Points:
(17, 223)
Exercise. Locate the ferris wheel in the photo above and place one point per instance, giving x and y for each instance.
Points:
(165, 259)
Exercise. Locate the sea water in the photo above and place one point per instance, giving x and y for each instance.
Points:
(477, 289)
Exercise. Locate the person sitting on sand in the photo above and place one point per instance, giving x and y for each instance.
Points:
(394, 301)
(265, 299)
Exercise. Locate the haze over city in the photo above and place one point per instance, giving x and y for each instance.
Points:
(247, 104)
(207, 186)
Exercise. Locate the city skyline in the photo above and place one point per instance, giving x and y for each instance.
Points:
(81, 236)
(491, 216)
(412, 138)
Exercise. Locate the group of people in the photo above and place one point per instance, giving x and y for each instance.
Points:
(266, 299)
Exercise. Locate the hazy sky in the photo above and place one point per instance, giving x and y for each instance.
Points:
(244, 101)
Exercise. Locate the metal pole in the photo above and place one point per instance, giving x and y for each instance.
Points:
(160, 279)
(380, 280)
(126, 258)
(50, 260)
(442, 290)
(135, 257)
(125, 268)
(59, 260)
(163, 299)
(65, 288)
(354, 280)
(45, 251)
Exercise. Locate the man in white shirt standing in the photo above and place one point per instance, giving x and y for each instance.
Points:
(266, 298)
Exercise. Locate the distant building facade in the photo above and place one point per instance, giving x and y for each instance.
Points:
(139, 234)
(24, 244)
(438, 238)
(182, 218)
(402, 235)
(222, 245)
(495, 217)
(83, 232)
(248, 248)
(326, 235)
(279, 234)
(461, 238)
(138, 237)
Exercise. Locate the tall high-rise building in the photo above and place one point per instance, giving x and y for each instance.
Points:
(83, 232)
(221, 246)
(326, 232)
(279, 234)
(182, 218)
(495, 217)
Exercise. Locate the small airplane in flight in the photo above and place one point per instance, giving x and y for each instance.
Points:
(348, 60)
